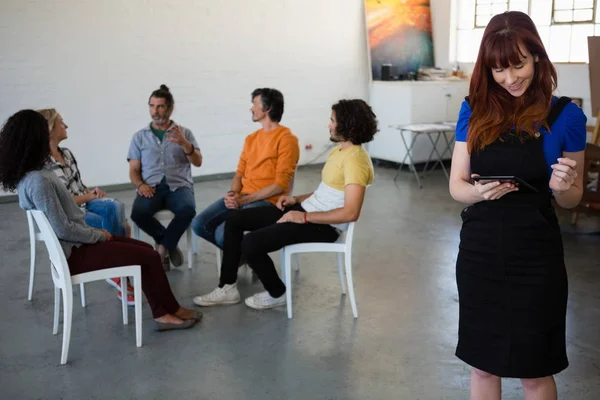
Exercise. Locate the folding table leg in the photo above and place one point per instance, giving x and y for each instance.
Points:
(409, 155)
(425, 171)
(448, 149)
(437, 152)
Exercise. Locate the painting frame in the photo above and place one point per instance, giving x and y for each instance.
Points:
(399, 37)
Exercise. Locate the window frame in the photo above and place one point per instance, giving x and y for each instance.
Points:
(595, 21)
(475, 26)
(592, 21)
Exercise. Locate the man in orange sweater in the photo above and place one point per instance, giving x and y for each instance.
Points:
(265, 170)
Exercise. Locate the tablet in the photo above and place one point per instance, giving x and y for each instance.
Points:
(507, 178)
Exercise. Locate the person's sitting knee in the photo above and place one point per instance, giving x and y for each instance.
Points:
(187, 212)
(234, 219)
(114, 210)
(140, 214)
(199, 223)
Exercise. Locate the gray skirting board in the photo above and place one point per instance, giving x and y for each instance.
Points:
(13, 198)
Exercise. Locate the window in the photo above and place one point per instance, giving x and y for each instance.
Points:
(486, 9)
(564, 25)
(572, 11)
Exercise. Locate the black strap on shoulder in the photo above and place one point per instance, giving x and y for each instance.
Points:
(557, 109)
(467, 100)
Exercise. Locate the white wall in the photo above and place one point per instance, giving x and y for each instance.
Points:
(574, 81)
(443, 31)
(98, 61)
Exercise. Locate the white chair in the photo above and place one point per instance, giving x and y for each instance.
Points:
(63, 280)
(166, 215)
(219, 256)
(33, 237)
(343, 247)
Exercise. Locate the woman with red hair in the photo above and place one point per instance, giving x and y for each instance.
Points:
(510, 270)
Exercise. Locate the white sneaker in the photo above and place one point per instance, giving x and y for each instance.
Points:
(228, 294)
(263, 301)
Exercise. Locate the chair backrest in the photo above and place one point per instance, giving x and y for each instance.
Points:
(60, 269)
(34, 233)
(31, 225)
(591, 165)
(347, 236)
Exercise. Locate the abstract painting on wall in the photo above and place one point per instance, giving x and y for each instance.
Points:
(399, 35)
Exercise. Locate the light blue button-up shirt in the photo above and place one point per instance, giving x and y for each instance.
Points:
(162, 159)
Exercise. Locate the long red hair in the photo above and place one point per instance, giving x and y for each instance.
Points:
(494, 110)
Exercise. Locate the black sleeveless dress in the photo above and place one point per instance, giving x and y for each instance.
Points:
(510, 271)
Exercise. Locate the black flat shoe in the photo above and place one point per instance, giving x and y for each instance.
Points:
(197, 317)
(176, 257)
(164, 326)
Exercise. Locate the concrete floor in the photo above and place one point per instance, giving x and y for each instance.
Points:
(401, 347)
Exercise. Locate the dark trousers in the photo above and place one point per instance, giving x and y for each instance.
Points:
(264, 237)
(180, 202)
(122, 251)
(210, 223)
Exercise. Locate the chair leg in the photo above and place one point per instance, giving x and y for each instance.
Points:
(190, 252)
(124, 299)
(194, 244)
(82, 294)
(68, 317)
(219, 256)
(137, 289)
(56, 310)
(136, 232)
(340, 266)
(282, 263)
(288, 283)
(31, 269)
(348, 262)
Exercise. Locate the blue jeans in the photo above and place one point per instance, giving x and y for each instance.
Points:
(106, 214)
(210, 223)
(180, 202)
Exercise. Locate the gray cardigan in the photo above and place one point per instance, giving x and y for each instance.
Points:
(42, 190)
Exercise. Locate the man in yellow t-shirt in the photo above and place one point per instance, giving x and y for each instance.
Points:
(265, 170)
(313, 217)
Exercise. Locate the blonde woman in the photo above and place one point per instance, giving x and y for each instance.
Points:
(101, 212)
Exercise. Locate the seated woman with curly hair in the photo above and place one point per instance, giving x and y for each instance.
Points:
(315, 217)
(24, 150)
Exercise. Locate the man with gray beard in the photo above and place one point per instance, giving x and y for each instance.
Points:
(159, 158)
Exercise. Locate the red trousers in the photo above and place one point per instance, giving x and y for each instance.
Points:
(122, 251)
